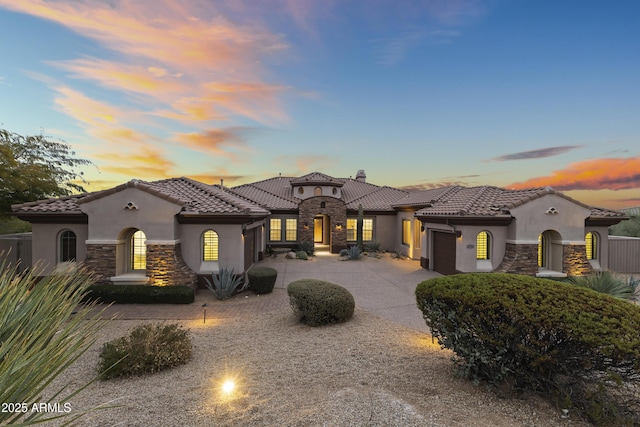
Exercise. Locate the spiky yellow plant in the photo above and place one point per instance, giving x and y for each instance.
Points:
(43, 330)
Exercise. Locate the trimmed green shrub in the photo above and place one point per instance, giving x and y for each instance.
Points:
(606, 283)
(226, 283)
(302, 255)
(262, 279)
(149, 348)
(308, 247)
(140, 294)
(576, 346)
(320, 303)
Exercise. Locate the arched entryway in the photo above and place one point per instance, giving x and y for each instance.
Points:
(550, 252)
(322, 221)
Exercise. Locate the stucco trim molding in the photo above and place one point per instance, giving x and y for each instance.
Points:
(523, 242)
(103, 242)
(163, 242)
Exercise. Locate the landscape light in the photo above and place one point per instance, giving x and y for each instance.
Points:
(228, 386)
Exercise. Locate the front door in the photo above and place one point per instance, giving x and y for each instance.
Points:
(317, 230)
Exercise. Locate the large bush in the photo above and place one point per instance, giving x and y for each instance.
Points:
(140, 294)
(149, 348)
(320, 303)
(564, 341)
(262, 279)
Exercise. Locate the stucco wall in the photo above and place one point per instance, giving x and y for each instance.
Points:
(309, 191)
(154, 216)
(532, 219)
(230, 245)
(46, 243)
(466, 248)
(384, 230)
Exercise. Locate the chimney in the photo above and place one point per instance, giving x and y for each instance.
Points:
(222, 183)
(361, 176)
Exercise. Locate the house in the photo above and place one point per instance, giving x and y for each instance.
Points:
(176, 231)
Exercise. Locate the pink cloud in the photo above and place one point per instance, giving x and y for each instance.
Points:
(171, 52)
(595, 174)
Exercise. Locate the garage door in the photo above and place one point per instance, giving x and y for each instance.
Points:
(249, 248)
(444, 253)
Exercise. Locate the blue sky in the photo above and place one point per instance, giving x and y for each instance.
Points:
(511, 93)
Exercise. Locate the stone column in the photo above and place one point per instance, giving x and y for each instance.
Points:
(574, 260)
(519, 259)
(101, 261)
(166, 267)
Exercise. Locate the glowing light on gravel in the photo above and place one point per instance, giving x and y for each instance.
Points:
(228, 386)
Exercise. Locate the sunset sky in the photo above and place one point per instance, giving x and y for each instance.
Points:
(424, 93)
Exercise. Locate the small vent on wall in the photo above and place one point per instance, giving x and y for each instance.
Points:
(552, 211)
(130, 206)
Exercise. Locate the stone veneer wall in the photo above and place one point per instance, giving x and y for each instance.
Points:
(165, 266)
(101, 261)
(574, 260)
(519, 259)
(334, 208)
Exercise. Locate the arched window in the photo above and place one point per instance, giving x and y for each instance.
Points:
(317, 191)
(542, 250)
(591, 240)
(483, 245)
(67, 246)
(138, 251)
(210, 246)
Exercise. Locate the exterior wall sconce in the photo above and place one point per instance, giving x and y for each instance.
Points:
(458, 234)
(339, 226)
(422, 228)
(305, 225)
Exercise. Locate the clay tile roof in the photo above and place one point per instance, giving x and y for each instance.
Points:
(194, 197)
(67, 204)
(489, 201)
(371, 197)
(317, 178)
(424, 197)
(274, 193)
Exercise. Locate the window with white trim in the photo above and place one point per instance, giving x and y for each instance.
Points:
(352, 229)
(68, 245)
(291, 230)
(210, 246)
(406, 232)
(591, 240)
(275, 229)
(483, 245)
(138, 251)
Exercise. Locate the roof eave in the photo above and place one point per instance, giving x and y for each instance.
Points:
(52, 217)
(221, 218)
(467, 220)
(604, 221)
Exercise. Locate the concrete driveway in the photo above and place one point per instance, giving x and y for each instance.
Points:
(383, 286)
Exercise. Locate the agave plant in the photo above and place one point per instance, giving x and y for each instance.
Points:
(42, 332)
(225, 283)
(606, 283)
(354, 252)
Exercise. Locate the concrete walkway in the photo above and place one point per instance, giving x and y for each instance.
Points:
(384, 287)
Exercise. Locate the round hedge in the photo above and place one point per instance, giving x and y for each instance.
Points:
(262, 279)
(532, 333)
(320, 303)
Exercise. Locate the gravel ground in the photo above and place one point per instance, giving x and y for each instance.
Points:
(366, 372)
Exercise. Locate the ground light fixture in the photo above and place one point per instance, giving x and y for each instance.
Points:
(228, 386)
